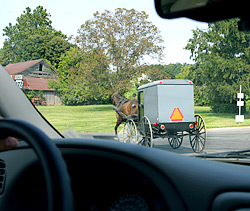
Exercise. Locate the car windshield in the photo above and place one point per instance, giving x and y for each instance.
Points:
(115, 70)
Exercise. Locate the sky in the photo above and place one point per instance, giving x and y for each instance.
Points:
(69, 15)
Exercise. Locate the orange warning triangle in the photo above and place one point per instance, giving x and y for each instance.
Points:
(176, 115)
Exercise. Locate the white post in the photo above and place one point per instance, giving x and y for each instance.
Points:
(240, 118)
(240, 100)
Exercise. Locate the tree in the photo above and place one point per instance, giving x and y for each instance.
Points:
(125, 37)
(174, 69)
(149, 73)
(222, 62)
(83, 77)
(33, 37)
(184, 73)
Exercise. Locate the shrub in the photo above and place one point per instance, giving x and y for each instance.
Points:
(227, 108)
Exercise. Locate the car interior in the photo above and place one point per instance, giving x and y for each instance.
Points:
(50, 172)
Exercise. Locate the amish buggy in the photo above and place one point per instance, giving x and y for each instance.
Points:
(125, 109)
(166, 110)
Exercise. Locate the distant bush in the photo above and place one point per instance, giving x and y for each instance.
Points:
(34, 94)
(200, 96)
(227, 108)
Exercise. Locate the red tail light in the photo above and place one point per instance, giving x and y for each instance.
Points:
(162, 127)
(155, 124)
(195, 122)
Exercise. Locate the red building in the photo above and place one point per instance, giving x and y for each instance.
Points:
(35, 76)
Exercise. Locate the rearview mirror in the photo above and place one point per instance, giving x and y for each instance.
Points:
(203, 10)
(172, 6)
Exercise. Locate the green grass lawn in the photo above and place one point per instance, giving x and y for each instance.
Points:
(88, 118)
(101, 118)
(219, 120)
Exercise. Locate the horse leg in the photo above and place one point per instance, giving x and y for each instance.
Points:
(117, 125)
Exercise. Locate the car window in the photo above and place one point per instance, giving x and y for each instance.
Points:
(116, 70)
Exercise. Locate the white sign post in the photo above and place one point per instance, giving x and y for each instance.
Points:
(240, 118)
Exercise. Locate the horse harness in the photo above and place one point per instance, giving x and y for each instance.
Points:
(121, 103)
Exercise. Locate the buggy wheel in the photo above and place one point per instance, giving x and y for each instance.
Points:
(198, 137)
(175, 141)
(130, 132)
(145, 128)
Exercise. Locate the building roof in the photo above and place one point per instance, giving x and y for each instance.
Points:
(15, 68)
(32, 83)
(36, 83)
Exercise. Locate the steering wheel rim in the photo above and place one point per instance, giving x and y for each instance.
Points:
(59, 193)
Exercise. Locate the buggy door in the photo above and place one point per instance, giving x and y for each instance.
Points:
(140, 105)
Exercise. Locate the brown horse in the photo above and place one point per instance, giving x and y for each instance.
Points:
(125, 109)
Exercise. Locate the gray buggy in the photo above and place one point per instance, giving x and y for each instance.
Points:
(166, 110)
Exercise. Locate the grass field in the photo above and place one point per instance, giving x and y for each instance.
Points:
(101, 118)
(219, 120)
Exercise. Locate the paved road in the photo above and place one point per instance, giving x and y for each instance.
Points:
(218, 140)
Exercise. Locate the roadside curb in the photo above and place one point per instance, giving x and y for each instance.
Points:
(229, 128)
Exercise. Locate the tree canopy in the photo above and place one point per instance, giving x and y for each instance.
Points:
(83, 77)
(125, 37)
(109, 48)
(33, 37)
(158, 72)
(222, 62)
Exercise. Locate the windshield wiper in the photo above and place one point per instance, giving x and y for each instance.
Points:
(238, 154)
(234, 154)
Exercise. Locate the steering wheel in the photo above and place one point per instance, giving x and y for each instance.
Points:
(59, 193)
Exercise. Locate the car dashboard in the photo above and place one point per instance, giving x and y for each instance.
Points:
(106, 175)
